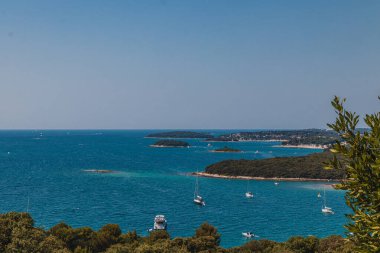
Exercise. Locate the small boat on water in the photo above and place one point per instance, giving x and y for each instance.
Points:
(198, 200)
(276, 183)
(248, 194)
(325, 208)
(160, 223)
(319, 195)
(248, 235)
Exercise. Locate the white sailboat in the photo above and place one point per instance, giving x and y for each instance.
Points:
(248, 194)
(197, 197)
(325, 208)
(249, 235)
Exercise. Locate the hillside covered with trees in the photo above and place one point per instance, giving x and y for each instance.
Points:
(310, 166)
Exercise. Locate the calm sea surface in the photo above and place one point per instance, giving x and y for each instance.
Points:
(48, 168)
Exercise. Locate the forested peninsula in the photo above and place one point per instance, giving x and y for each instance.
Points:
(300, 167)
(180, 134)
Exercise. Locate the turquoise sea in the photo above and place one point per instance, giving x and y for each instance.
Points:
(47, 166)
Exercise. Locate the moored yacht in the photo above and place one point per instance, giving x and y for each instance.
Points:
(199, 200)
(160, 222)
(197, 197)
(249, 195)
(248, 235)
(325, 208)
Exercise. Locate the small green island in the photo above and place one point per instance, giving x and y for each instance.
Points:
(170, 144)
(180, 134)
(310, 167)
(226, 149)
(96, 171)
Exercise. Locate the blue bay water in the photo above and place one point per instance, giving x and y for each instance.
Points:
(49, 169)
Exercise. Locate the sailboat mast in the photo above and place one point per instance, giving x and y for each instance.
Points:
(196, 186)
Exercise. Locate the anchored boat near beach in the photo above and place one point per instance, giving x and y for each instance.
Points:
(325, 208)
(197, 197)
(248, 194)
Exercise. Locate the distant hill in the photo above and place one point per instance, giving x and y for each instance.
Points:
(171, 143)
(310, 166)
(180, 134)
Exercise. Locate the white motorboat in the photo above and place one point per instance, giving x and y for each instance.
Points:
(160, 222)
(248, 235)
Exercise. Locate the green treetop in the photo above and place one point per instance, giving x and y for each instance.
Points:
(359, 154)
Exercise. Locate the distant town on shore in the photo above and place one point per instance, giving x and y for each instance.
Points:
(315, 138)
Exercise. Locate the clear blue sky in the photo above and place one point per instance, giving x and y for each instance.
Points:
(185, 64)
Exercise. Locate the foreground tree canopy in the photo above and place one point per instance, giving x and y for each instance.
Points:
(18, 234)
(361, 164)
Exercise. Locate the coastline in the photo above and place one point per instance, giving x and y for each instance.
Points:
(204, 174)
(271, 140)
(310, 146)
(173, 138)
